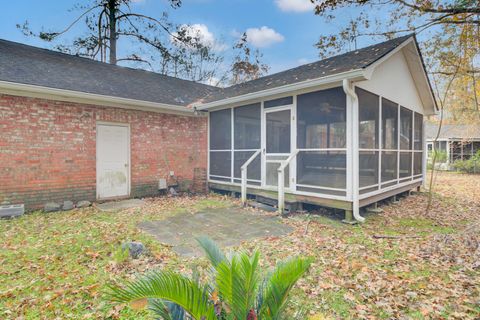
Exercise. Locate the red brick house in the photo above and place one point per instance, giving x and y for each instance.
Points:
(343, 132)
(76, 129)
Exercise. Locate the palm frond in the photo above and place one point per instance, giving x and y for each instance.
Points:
(170, 287)
(273, 297)
(237, 282)
(212, 250)
(166, 310)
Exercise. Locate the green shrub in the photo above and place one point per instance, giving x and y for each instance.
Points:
(471, 165)
(237, 289)
(441, 156)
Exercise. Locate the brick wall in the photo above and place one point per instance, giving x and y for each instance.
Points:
(47, 149)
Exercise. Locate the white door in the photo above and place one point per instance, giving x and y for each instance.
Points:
(278, 144)
(113, 158)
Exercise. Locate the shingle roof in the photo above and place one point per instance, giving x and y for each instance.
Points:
(352, 60)
(25, 64)
(452, 131)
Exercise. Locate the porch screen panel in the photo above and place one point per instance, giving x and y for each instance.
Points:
(278, 102)
(247, 136)
(417, 144)
(405, 164)
(389, 170)
(278, 132)
(369, 147)
(321, 119)
(389, 166)
(417, 163)
(220, 163)
(321, 140)
(406, 121)
(389, 124)
(368, 168)
(247, 127)
(418, 131)
(369, 119)
(221, 130)
(406, 143)
(253, 169)
(322, 169)
(476, 147)
(220, 145)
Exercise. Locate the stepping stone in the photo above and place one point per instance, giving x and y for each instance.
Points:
(120, 205)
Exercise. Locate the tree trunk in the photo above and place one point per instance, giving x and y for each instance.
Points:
(112, 16)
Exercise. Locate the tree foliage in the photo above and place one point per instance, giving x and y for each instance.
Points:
(449, 34)
(247, 64)
(176, 50)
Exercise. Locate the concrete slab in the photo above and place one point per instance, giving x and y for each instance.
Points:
(120, 205)
(228, 227)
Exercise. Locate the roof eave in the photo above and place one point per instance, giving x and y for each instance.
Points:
(90, 98)
(357, 74)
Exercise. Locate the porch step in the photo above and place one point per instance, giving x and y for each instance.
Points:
(268, 201)
(262, 206)
(272, 204)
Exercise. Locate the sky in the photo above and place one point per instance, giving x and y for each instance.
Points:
(285, 31)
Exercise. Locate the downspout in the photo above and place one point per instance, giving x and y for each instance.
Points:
(355, 154)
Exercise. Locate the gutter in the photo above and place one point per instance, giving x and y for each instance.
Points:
(24, 89)
(355, 153)
(360, 74)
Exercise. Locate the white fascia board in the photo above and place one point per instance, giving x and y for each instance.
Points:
(89, 98)
(358, 74)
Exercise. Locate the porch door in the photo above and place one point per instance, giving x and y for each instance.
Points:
(277, 144)
(113, 157)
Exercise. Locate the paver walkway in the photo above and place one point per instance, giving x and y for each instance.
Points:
(228, 227)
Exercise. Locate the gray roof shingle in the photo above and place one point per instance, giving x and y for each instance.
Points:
(453, 131)
(352, 60)
(25, 64)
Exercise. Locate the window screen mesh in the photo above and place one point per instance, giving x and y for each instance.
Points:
(278, 102)
(253, 170)
(322, 168)
(368, 116)
(389, 165)
(220, 130)
(220, 163)
(417, 163)
(321, 119)
(278, 131)
(418, 131)
(389, 124)
(247, 127)
(406, 118)
(368, 168)
(405, 164)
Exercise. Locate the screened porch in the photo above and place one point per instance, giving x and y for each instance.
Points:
(304, 138)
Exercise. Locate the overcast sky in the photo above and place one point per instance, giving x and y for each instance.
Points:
(284, 30)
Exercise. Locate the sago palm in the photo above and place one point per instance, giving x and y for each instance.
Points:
(238, 290)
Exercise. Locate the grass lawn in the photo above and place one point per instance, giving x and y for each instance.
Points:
(403, 263)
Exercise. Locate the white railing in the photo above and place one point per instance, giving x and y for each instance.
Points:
(244, 176)
(281, 181)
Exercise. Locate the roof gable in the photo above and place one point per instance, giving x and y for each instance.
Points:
(353, 60)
